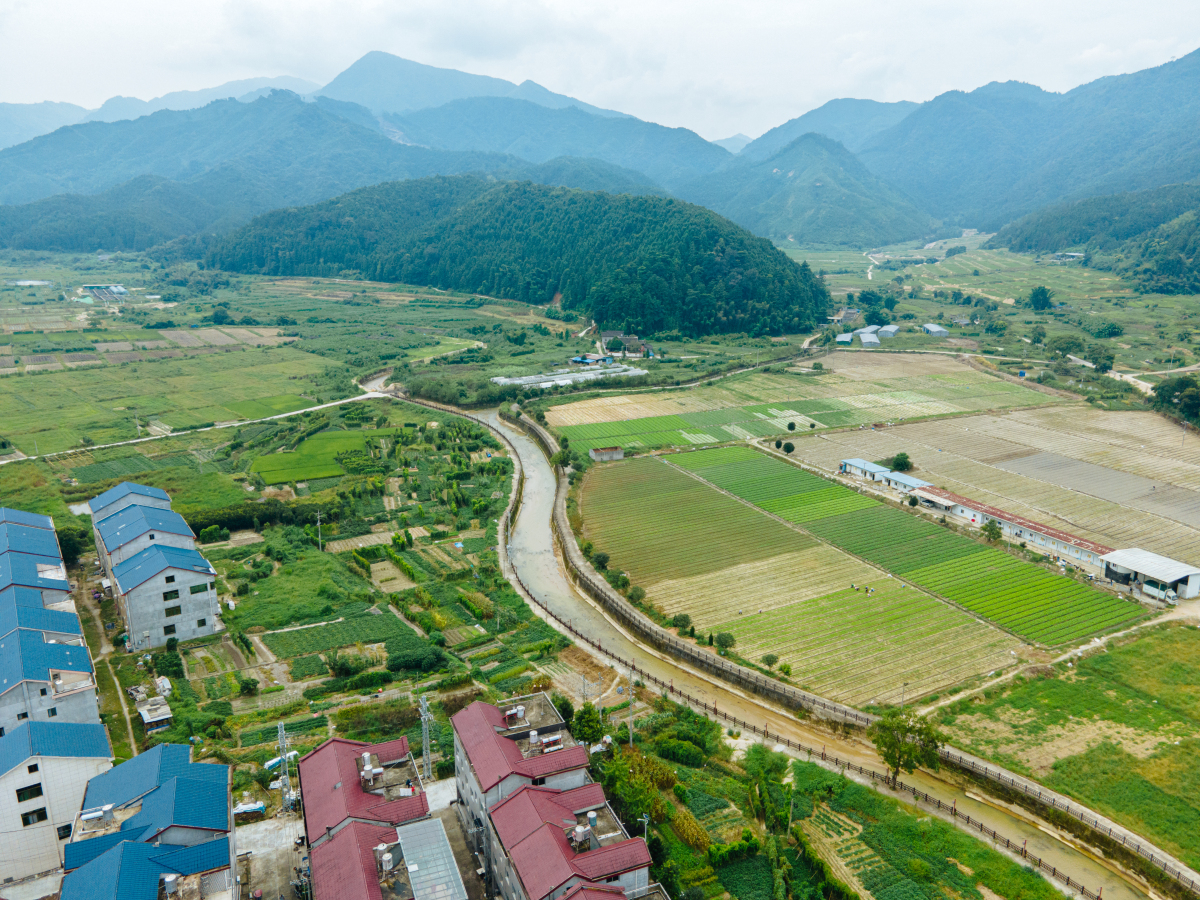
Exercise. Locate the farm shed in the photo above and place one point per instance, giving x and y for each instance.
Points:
(888, 331)
(845, 338)
(606, 454)
(1152, 574)
(868, 340)
(1079, 551)
(862, 469)
(901, 482)
(935, 330)
(869, 329)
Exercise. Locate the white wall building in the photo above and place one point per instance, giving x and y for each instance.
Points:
(1158, 576)
(164, 593)
(44, 771)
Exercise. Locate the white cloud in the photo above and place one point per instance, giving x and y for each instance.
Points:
(716, 67)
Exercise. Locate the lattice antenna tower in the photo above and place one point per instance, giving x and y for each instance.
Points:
(588, 686)
(285, 782)
(426, 718)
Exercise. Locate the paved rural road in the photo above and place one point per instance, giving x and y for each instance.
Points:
(532, 552)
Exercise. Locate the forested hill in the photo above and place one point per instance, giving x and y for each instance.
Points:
(646, 264)
(1151, 236)
(1097, 223)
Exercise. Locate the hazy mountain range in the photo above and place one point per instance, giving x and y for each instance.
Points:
(853, 172)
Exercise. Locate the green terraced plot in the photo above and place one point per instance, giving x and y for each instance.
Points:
(313, 457)
(1031, 602)
(698, 551)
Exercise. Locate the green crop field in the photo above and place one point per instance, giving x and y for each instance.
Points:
(58, 410)
(696, 551)
(365, 628)
(1117, 730)
(1031, 602)
(313, 458)
(857, 389)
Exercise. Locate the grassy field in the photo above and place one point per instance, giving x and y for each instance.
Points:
(55, 411)
(1119, 731)
(778, 591)
(1031, 602)
(853, 389)
(313, 458)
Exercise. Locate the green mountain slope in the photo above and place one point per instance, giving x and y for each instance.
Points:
(852, 122)
(669, 156)
(986, 157)
(645, 263)
(814, 191)
(386, 83)
(1097, 223)
(1150, 236)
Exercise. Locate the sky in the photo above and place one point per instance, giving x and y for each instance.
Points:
(716, 67)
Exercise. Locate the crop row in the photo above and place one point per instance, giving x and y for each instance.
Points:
(1039, 605)
(369, 629)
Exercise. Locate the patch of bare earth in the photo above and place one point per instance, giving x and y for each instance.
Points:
(279, 493)
(1039, 752)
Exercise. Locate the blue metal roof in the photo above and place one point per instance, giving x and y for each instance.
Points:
(865, 466)
(124, 489)
(138, 776)
(28, 539)
(36, 618)
(25, 656)
(907, 480)
(143, 566)
(33, 520)
(129, 871)
(204, 857)
(186, 802)
(132, 870)
(66, 739)
(22, 596)
(80, 853)
(133, 521)
(22, 570)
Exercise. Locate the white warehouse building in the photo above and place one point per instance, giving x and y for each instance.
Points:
(1154, 575)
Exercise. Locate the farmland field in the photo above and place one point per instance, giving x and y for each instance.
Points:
(779, 591)
(60, 409)
(313, 458)
(1119, 731)
(1031, 602)
(856, 389)
(1139, 484)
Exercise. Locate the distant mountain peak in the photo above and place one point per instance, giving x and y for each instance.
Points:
(734, 144)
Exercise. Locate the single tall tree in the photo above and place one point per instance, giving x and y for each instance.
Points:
(905, 740)
(1040, 297)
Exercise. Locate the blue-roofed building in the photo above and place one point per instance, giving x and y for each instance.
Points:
(46, 574)
(30, 520)
(166, 592)
(862, 469)
(29, 539)
(135, 528)
(137, 871)
(115, 499)
(903, 483)
(164, 588)
(45, 676)
(44, 771)
(157, 798)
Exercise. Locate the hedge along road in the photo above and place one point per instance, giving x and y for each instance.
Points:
(532, 552)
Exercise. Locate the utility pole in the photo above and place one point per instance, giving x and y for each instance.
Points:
(902, 687)
(426, 718)
(587, 685)
(285, 786)
(319, 531)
